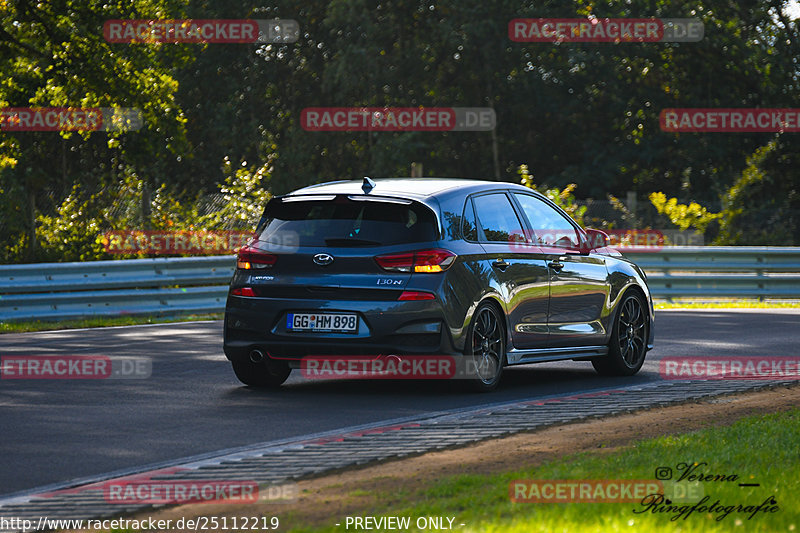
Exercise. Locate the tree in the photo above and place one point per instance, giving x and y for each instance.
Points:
(53, 54)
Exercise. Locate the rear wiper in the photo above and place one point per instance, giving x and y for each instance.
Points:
(350, 242)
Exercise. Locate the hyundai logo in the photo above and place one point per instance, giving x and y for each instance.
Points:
(323, 259)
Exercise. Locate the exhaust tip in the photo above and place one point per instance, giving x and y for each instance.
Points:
(257, 356)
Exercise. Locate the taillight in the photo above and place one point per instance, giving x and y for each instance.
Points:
(435, 260)
(416, 295)
(396, 262)
(243, 291)
(253, 258)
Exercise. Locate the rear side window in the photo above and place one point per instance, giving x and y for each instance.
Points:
(468, 227)
(496, 217)
(345, 222)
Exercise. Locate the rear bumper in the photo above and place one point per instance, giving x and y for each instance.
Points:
(384, 328)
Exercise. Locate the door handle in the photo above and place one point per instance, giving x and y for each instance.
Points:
(500, 265)
(556, 265)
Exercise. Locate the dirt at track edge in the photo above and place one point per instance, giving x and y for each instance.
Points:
(327, 499)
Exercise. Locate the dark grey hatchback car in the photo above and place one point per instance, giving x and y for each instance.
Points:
(489, 273)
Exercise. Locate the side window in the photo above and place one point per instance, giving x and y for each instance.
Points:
(550, 228)
(468, 228)
(496, 217)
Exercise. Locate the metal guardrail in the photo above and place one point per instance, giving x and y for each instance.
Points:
(722, 271)
(49, 291)
(174, 285)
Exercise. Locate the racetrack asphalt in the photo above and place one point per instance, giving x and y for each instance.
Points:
(57, 430)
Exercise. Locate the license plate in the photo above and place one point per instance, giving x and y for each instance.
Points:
(333, 322)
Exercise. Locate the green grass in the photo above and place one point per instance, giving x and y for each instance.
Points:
(99, 322)
(760, 449)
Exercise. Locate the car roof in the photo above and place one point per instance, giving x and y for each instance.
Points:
(405, 187)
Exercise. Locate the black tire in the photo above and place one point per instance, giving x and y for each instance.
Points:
(485, 349)
(628, 345)
(267, 374)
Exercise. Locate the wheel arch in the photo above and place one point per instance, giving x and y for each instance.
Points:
(492, 300)
(634, 288)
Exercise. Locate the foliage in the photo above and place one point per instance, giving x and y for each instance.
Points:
(583, 114)
(762, 207)
(71, 234)
(244, 196)
(76, 232)
(564, 198)
(685, 216)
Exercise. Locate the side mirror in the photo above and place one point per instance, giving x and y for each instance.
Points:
(593, 239)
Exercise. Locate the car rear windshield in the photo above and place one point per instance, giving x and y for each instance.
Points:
(342, 221)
